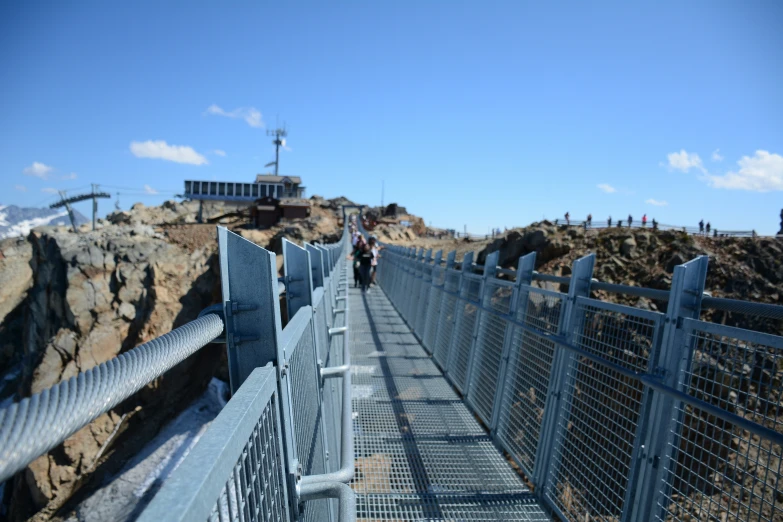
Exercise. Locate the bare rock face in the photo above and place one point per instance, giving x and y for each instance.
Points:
(16, 276)
(94, 296)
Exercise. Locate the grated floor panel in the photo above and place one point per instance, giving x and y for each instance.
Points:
(420, 453)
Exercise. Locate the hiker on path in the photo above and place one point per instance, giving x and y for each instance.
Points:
(701, 226)
(708, 228)
(644, 220)
(630, 220)
(609, 222)
(568, 218)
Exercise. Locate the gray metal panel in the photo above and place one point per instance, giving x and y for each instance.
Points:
(236, 470)
(298, 277)
(251, 333)
(317, 262)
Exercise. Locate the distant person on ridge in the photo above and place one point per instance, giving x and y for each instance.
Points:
(644, 220)
(589, 220)
(609, 222)
(654, 224)
(708, 228)
(630, 220)
(701, 226)
(568, 218)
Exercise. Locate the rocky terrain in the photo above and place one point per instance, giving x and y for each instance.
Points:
(69, 302)
(739, 268)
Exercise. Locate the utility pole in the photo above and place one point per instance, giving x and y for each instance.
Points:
(94, 205)
(67, 205)
(279, 141)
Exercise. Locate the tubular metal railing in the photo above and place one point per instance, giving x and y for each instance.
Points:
(282, 448)
(612, 412)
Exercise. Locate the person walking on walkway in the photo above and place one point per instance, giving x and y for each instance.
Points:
(609, 222)
(644, 220)
(708, 228)
(376, 249)
(630, 220)
(354, 257)
(589, 220)
(701, 226)
(568, 218)
(365, 265)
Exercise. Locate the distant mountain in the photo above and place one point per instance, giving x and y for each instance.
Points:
(17, 221)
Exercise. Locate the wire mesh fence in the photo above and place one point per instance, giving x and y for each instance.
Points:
(612, 412)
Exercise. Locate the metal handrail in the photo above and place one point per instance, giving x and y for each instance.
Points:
(37, 424)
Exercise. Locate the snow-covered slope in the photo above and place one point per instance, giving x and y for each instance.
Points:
(18, 221)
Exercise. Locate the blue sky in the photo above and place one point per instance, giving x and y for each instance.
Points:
(472, 113)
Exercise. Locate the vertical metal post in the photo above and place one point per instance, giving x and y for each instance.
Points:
(298, 277)
(467, 265)
(671, 363)
(490, 269)
(450, 259)
(519, 298)
(579, 286)
(317, 262)
(252, 311)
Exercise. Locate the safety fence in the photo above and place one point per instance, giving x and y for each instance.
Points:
(612, 412)
(282, 447)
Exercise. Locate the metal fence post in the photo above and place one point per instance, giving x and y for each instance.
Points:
(248, 276)
(579, 286)
(670, 365)
(525, 267)
(431, 312)
(317, 262)
(467, 263)
(490, 269)
(298, 277)
(424, 293)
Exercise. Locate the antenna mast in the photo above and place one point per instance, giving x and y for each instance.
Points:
(279, 141)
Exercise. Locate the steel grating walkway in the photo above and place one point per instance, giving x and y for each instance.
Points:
(420, 454)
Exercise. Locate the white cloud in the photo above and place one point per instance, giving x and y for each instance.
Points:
(287, 148)
(607, 188)
(49, 190)
(219, 152)
(20, 188)
(39, 170)
(716, 155)
(656, 203)
(72, 175)
(161, 150)
(685, 161)
(762, 172)
(149, 190)
(250, 114)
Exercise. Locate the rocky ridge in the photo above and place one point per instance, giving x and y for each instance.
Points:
(69, 302)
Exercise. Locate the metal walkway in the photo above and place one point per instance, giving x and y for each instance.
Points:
(420, 454)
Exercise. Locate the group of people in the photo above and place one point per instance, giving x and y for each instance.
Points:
(589, 221)
(364, 255)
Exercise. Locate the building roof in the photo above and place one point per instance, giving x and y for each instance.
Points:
(270, 178)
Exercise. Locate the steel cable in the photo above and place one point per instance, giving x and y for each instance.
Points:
(36, 424)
